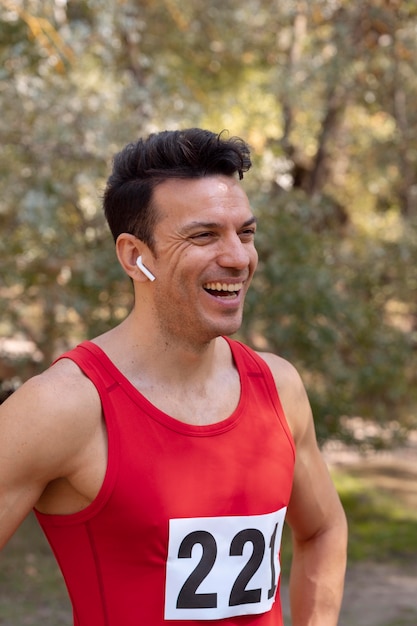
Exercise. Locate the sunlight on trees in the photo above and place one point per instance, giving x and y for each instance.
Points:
(324, 91)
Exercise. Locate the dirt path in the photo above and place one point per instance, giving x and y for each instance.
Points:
(380, 594)
(376, 595)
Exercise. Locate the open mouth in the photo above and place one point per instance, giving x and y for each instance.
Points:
(223, 290)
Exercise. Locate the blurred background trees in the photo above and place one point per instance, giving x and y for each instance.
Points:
(324, 91)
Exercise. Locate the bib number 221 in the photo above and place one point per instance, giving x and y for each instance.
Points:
(222, 567)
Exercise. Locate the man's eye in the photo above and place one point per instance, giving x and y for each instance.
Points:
(248, 233)
(202, 236)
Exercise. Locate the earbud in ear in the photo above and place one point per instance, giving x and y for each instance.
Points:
(144, 269)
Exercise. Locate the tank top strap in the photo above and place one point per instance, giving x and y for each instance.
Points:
(249, 361)
(92, 362)
(252, 365)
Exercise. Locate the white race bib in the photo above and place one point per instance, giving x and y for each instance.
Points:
(221, 567)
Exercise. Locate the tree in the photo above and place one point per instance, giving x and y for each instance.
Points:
(324, 93)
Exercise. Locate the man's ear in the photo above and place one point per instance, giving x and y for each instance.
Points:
(128, 249)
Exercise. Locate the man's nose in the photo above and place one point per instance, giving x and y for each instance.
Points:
(234, 253)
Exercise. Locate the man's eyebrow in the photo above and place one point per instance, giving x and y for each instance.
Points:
(250, 221)
(214, 225)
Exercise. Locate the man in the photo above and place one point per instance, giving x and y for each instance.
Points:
(162, 457)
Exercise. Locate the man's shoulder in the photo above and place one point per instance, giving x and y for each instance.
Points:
(64, 376)
(282, 370)
(284, 373)
(291, 391)
(61, 393)
(46, 422)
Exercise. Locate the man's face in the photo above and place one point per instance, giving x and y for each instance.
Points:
(205, 257)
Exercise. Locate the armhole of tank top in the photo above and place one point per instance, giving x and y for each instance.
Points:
(261, 367)
(86, 361)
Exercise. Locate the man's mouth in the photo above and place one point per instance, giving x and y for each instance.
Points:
(223, 290)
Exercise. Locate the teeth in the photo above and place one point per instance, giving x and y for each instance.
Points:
(223, 287)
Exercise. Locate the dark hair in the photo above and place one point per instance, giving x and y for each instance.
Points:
(141, 166)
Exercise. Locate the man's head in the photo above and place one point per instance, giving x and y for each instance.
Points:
(141, 166)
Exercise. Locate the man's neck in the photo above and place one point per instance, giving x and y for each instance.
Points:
(196, 384)
(134, 346)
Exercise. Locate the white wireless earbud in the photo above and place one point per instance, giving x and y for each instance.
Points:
(144, 269)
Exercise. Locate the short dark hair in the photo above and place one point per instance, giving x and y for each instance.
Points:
(146, 163)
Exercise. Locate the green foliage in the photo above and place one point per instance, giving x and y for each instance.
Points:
(321, 300)
(324, 92)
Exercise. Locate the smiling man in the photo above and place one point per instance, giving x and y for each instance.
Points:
(162, 458)
(204, 258)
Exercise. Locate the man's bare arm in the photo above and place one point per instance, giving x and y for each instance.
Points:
(45, 427)
(315, 514)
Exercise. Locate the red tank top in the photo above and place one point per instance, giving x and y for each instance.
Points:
(187, 525)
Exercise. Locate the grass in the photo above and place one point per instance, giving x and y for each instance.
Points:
(32, 591)
(382, 519)
(382, 522)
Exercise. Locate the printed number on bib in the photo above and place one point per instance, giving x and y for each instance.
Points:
(222, 566)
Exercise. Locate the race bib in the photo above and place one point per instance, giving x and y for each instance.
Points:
(220, 567)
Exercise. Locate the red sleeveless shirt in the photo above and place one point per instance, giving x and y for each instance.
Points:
(187, 525)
